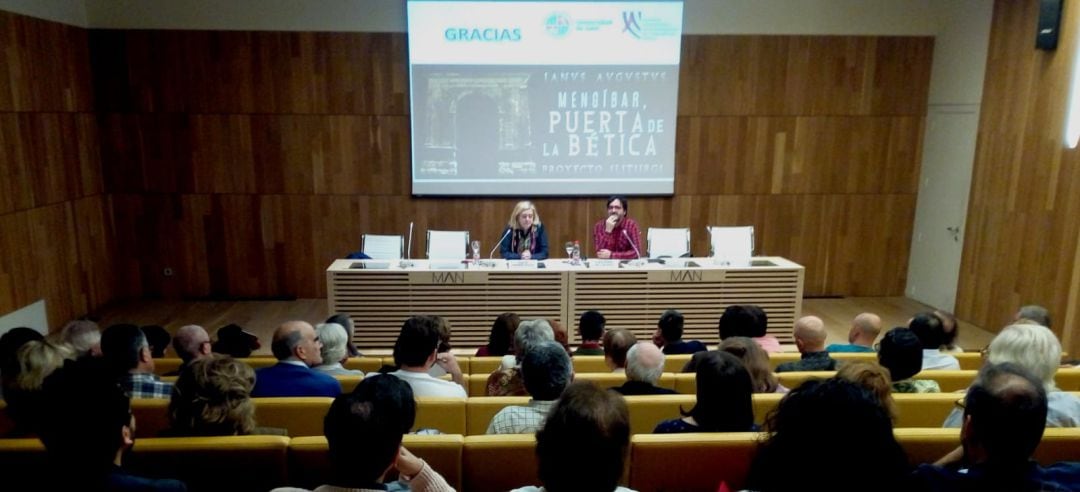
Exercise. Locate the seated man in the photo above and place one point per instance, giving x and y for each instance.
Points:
(931, 335)
(810, 339)
(584, 443)
(644, 365)
(864, 330)
(1004, 419)
(591, 329)
(617, 343)
(191, 342)
(127, 353)
(364, 430)
(84, 336)
(669, 332)
(297, 349)
(506, 380)
(901, 355)
(416, 350)
(547, 371)
(92, 426)
(748, 320)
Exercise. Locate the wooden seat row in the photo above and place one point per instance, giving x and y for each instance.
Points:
(582, 363)
(688, 462)
(470, 416)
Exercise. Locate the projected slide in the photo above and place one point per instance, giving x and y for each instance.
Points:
(543, 98)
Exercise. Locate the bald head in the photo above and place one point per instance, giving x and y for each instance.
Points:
(296, 340)
(810, 334)
(865, 329)
(644, 362)
(191, 342)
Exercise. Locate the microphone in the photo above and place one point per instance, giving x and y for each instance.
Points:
(499, 242)
(408, 250)
(638, 253)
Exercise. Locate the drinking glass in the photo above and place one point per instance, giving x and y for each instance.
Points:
(475, 245)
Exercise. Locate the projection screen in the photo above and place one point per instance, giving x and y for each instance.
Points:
(543, 98)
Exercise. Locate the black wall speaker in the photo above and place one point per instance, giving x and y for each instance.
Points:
(1049, 24)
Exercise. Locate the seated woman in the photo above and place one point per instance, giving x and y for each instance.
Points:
(822, 423)
(756, 361)
(506, 380)
(212, 397)
(36, 360)
(501, 337)
(1038, 350)
(723, 398)
(748, 321)
(902, 354)
(872, 377)
(335, 351)
(524, 237)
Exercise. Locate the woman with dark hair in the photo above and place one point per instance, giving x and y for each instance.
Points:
(501, 338)
(748, 320)
(820, 424)
(724, 400)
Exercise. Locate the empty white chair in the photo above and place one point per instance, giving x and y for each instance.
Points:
(380, 247)
(447, 245)
(732, 245)
(671, 243)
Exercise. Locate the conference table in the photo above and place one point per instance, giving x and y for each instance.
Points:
(380, 294)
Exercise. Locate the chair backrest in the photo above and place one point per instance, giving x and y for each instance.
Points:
(447, 245)
(299, 416)
(589, 363)
(214, 463)
(694, 461)
(380, 247)
(366, 364)
(151, 416)
(498, 463)
(483, 365)
(309, 458)
(646, 411)
(734, 245)
(348, 383)
(668, 242)
(445, 414)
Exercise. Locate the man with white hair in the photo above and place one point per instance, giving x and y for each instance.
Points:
(644, 365)
(864, 331)
(84, 336)
(810, 339)
(191, 342)
(335, 350)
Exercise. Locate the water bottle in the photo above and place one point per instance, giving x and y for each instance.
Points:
(576, 255)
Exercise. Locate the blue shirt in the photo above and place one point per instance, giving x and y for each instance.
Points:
(848, 347)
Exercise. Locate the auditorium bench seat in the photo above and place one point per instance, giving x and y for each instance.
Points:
(309, 460)
(499, 463)
(214, 463)
(348, 383)
(691, 461)
(480, 410)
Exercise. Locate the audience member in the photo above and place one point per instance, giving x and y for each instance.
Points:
(864, 331)
(617, 343)
(669, 332)
(83, 336)
(810, 339)
(756, 361)
(506, 380)
(561, 335)
(158, 339)
(902, 355)
(1005, 415)
(591, 330)
(297, 350)
(91, 426)
(584, 443)
(546, 371)
(37, 359)
(127, 354)
(1037, 350)
(334, 351)
(364, 431)
(872, 377)
(10, 343)
(350, 329)
(950, 328)
(212, 397)
(416, 350)
(820, 424)
(1034, 312)
(445, 329)
(233, 340)
(748, 321)
(190, 343)
(501, 338)
(644, 366)
(927, 326)
(724, 401)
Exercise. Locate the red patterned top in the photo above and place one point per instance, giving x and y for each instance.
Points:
(616, 241)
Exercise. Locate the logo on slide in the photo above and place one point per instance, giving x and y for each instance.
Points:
(557, 24)
(631, 23)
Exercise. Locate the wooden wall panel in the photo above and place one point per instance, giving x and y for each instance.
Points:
(1021, 242)
(55, 230)
(248, 183)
